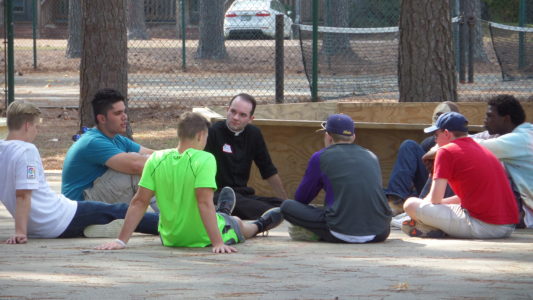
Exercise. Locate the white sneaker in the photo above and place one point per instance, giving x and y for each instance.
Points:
(398, 220)
(111, 229)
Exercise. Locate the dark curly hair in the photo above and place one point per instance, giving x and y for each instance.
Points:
(508, 105)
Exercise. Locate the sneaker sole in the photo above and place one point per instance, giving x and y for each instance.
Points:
(234, 198)
(275, 223)
(410, 228)
(111, 229)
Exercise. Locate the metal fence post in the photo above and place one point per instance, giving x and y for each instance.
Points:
(471, 34)
(314, 81)
(280, 66)
(455, 26)
(521, 35)
(183, 37)
(462, 49)
(10, 52)
(34, 33)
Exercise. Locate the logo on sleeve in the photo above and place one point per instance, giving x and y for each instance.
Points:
(227, 148)
(31, 172)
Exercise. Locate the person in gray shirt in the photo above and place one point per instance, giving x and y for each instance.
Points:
(355, 208)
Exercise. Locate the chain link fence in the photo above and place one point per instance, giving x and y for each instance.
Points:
(358, 49)
(171, 58)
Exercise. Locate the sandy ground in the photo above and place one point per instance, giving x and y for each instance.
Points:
(273, 267)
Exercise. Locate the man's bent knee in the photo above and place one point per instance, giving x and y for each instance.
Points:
(411, 205)
(113, 187)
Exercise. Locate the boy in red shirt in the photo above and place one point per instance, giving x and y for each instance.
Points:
(483, 207)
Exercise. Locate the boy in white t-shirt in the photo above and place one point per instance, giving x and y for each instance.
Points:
(38, 211)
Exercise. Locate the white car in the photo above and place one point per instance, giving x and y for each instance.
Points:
(255, 18)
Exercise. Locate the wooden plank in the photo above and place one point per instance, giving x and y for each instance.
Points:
(420, 112)
(208, 113)
(358, 125)
(388, 112)
(410, 113)
(290, 111)
(3, 128)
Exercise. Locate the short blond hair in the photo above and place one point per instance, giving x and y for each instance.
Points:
(20, 112)
(190, 124)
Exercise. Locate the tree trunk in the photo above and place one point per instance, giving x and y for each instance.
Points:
(2, 15)
(473, 8)
(336, 15)
(211, 42)
(104, 60)
(426, 65)
(136, 21)
(74, 29)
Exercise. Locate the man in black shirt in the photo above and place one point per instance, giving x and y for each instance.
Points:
(235, 143)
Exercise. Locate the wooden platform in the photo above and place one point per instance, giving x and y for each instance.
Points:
(3, 128)
(291, 137)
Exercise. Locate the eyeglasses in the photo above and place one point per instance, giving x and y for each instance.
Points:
(437, 132)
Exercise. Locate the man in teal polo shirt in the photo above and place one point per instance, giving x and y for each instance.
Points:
(103, 165)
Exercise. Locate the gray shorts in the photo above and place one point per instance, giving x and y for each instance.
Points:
(456, 222)
(115, 187)
(231, 230)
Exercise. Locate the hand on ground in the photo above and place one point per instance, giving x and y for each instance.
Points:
(110, 246)
(17, 239)
(223, 249)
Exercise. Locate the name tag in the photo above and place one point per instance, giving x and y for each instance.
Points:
(30, 172)
(226, 148)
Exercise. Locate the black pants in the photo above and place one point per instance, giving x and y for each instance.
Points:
(314, 219)
(251, 206)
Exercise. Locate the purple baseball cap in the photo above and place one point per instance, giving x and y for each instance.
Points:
(339, 124)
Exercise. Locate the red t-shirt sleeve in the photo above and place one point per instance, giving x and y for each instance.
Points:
(443, 165)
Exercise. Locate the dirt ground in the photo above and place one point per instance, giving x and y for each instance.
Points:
(273, 267)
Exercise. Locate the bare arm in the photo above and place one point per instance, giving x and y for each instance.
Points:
(145, 151)
(452, 200)
(22, 215)
(436, 193)
(128, 163)
(208, 215)
(277, 186)
(431, 153)
(136, 211)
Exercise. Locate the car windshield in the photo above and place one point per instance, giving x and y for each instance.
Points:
(249, 5)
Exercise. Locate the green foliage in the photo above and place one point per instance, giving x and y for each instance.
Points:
(375, 13)
(502, 11)
(506, 11)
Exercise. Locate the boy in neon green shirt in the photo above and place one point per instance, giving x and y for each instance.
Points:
(183, 181)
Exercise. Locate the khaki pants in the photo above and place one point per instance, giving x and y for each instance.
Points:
(115, 187)
(456, 222)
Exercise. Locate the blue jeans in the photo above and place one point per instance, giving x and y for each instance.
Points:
(98, 213)
(409, 174)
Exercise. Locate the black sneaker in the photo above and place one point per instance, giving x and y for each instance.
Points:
(269, 220)
(226, 201)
